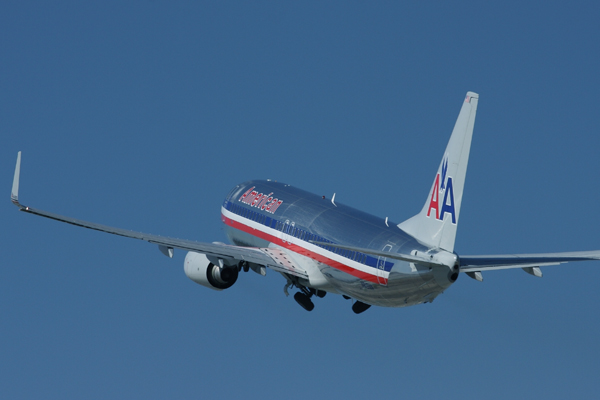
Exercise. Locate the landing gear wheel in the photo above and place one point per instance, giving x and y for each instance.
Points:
(304, 301)
(243, 265)
(359, 307)
(316, 292)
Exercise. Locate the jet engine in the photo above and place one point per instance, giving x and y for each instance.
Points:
(198, 268)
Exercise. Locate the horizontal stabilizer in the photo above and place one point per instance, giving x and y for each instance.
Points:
(497, 262)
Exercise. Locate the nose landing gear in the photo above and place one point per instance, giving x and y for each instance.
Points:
(359, 307)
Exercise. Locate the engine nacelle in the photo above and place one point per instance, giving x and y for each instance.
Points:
(198, 268)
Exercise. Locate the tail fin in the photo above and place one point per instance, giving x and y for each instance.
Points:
(437, 222)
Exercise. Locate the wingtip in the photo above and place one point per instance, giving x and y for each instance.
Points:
(14, 194)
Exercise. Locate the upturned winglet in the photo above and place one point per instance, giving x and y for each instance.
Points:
(14, 194)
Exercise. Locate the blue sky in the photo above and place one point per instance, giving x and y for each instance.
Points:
(144, 115)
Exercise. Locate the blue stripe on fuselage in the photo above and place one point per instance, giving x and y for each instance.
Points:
(303, 234)
(317, 219)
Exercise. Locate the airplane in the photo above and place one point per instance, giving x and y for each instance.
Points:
(322, 246)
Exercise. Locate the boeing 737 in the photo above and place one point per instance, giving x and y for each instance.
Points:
(322, 246)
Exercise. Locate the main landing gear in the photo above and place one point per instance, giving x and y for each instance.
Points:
(304, 295)
(304, 301)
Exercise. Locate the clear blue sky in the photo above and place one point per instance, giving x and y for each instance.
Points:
(144, 115)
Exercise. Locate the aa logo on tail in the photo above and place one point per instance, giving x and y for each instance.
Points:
(442, 188)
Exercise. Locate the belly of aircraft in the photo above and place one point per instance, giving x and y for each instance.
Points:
(404, 287)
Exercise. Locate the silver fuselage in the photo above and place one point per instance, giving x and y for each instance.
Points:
(302, 218)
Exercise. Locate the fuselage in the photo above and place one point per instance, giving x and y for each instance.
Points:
(272, 214)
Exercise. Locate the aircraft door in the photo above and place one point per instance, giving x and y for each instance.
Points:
(381, 279)
(287, 231)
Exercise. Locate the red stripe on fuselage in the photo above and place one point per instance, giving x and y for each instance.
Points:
(301, 250)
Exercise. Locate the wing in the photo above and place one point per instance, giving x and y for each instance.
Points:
(473, 264)
(273, 258)
(494, 262)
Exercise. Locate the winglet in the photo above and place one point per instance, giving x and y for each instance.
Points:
(14, 194)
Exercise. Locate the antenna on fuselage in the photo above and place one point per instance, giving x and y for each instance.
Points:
(333, 200)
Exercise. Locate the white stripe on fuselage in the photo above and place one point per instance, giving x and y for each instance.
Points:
(301, 243)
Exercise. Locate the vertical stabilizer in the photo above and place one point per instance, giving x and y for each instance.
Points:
(437, 222)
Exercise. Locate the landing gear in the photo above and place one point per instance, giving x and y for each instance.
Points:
(359, 307)
(243, 265)
(303, 297)
(304, 301)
